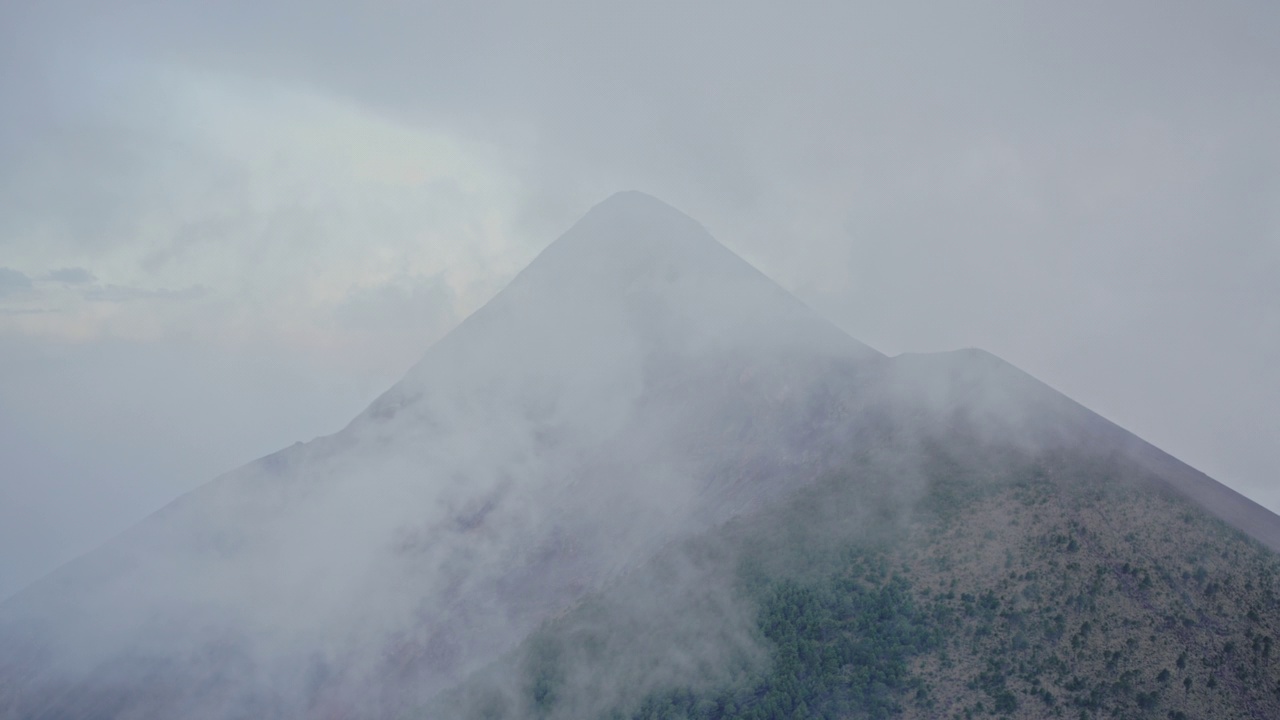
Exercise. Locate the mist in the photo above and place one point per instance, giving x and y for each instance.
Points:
(554, 491)
(227, 230)
(1087, 192)
(636, 385)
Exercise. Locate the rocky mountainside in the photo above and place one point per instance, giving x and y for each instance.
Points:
(957, 566)
(594, 494)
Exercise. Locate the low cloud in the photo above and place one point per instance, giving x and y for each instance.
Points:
(122, 293)
(13, 282)
(71, 276)
(424, 304)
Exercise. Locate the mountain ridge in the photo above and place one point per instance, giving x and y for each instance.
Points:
(1227, 504)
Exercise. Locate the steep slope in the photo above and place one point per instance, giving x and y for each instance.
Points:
(1031, 565)
(637, 383)
(1009, 404)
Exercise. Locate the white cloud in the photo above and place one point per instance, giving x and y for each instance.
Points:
(13, 282)
(1094, 201)
(70, 276)
(273, 213)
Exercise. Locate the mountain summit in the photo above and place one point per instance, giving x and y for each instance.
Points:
(635, 281)
(636, 388)
(636, 384)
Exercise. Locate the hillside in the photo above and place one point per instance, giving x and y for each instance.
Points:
(1022, 582)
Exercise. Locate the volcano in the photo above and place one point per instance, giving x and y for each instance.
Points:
(635, 391)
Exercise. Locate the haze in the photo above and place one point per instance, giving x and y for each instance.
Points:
(226, 229)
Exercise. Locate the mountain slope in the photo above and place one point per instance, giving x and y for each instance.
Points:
(635, 384)
(985, 388)
(638, 400)
(1018, 572)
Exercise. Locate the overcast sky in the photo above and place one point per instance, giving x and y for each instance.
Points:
(227, 226)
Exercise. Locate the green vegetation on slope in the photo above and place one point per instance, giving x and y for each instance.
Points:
(837, 647)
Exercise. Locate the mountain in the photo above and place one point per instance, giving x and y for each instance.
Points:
(640, 445)
(612, 397)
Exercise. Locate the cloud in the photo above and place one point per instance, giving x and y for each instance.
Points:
(899, 172)
(13, 282)
(424, 304)
(1094, 201)
(121, 294)
(71, 276)
(261, 208)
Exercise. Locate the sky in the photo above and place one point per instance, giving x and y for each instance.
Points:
(226, 227)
